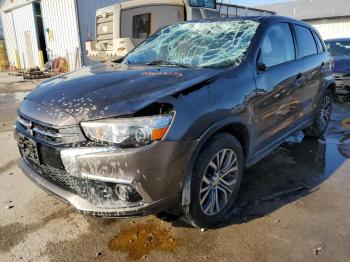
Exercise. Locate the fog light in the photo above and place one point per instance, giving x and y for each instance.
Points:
(122, 191)
(127, 193)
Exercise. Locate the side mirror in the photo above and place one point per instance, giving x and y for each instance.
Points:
(262, 67)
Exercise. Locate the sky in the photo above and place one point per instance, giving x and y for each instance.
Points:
(254, 2)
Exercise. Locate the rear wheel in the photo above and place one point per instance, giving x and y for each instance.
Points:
(216, 179)
(319, 127)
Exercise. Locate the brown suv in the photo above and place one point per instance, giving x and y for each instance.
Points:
(178, 119)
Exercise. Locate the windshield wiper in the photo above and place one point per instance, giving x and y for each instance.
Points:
(163, 62)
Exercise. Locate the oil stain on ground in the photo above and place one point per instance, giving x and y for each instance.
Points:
(141, 239)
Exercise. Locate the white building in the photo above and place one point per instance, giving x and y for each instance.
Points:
(37, 30)
(330, 17)
(56, 27)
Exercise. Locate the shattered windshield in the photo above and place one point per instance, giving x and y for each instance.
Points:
(197, 44)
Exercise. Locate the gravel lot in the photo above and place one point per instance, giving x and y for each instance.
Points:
(293, 206)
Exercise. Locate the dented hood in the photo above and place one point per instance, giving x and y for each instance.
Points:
(110, 90)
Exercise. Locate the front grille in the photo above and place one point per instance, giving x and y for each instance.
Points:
(50, 135)
(56, 176)
(98, 193)
(104, 32)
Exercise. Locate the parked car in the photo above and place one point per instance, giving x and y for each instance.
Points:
(179, 119)
(340, 50)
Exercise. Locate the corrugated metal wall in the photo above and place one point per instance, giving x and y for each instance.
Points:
(61, 30)
(13, 3)
(86, 13)
(10, 37)
(332, 27)
(62, 34)
(20, 32)
(24, 23)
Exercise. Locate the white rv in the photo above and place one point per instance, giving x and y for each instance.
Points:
(120, 27)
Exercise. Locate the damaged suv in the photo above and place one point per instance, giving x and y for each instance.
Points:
(175, 122)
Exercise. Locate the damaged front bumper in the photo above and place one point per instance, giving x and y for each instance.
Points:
(342, 84)
(91, 178)
(83, 205)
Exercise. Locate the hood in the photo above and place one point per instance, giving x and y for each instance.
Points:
(109, 90)
(342, 65)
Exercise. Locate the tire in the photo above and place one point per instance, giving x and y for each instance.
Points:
(222, 181)
(319, 127)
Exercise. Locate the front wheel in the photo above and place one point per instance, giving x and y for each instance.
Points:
(216, 179)
(319, 127)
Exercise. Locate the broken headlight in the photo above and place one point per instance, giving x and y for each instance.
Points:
(137, 131)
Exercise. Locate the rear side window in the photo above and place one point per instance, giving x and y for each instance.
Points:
(306, 41)
(278, 45)
(320, 46)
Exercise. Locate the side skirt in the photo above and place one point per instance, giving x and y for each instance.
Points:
(262, 153)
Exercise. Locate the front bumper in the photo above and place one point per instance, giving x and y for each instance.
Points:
(156, 172)
(83, 205)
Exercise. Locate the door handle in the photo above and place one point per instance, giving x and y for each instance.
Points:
(300, 80)
(299, 76)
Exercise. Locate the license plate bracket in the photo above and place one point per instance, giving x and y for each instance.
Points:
(29, 149)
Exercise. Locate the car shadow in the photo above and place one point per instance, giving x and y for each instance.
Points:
(292, 171)
(296, 169)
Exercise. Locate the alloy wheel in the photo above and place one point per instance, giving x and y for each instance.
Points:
(325, 113)
(218, 182)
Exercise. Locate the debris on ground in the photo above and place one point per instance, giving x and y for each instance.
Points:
(203, 229)
(318, 249)
(51, 68)
(9, 207)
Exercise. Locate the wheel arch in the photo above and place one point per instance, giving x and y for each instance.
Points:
(234, 126)
(332, 87)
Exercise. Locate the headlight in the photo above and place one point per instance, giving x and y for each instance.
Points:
(136, 131)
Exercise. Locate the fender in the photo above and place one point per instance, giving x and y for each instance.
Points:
(327, 83)
(186, 189)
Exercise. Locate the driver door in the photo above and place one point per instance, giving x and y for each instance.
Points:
(278, 96)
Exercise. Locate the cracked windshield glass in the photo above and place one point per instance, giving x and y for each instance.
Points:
(197, 44)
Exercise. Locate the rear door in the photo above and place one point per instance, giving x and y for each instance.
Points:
(278, 105)
(311, 64)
